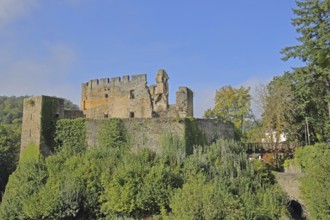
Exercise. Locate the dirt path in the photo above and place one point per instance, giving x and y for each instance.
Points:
(290, 183)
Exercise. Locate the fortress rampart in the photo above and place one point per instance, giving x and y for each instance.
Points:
(131, 97)
(145, 111)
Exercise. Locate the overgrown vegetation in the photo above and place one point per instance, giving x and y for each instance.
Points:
(315, 184)
(71, 133)
(11, 112)
(9, 151)
(112, 181)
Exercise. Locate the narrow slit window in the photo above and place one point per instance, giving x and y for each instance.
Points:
(131, 114)
(131, 94)
(84, 105)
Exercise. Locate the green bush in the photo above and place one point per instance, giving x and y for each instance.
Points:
(315, 184)
(113, 181)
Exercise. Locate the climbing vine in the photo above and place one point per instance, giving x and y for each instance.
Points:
(48, 121)
(193, 135)
(112, 133)
(71, 133)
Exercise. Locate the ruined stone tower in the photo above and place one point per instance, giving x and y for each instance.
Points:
(130, 97)
(184, 102)
(159, 92)
(39, 117)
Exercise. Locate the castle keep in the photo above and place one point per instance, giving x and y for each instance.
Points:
(130, 97)
(144, 110)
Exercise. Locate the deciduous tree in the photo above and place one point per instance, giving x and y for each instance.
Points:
(231, 105)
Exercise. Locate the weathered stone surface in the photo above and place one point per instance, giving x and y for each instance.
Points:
(39, 118)
(141, 132)
(149, 132)
(131, 98)
(145, 111)
(214, 129)
(117, 98)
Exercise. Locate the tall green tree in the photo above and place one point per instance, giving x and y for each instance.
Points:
(9, 150)
(231, 105)
(279, 107)
(312, 22)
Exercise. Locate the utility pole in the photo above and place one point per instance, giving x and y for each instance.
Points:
(307, 130)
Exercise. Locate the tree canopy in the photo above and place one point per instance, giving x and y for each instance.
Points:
(231, 105)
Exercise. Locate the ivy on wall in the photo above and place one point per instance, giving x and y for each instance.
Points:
(48, 121)
(71, 132)
(193, 135)
(112, 133)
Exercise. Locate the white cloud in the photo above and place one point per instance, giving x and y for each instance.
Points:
(12, 9)
(49, 75)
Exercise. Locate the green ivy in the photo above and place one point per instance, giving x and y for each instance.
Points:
(193, 135)
(48, 121)
(112, 133)
(71, 133)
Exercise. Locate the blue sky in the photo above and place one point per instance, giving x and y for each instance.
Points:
(50, 47)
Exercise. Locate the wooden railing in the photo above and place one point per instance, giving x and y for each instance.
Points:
(270, 147)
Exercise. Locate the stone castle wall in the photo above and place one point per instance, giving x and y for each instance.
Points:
(41, 113)
(39, 118)
(130, 97)
(141, 132)
(145, 112)
(150, 132)
(117, 98)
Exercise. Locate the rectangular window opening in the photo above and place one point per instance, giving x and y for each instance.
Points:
(84, 105)
(106, 115)
(106, 96)
(131, 94)
(131, 114)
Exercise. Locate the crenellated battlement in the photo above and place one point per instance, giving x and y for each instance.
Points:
(116, 81)
(131, 97)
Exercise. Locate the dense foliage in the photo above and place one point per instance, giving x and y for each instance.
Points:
(9, 151)
(315, 184)
(112, 181)
(11, 109)
(297, 103)
(232, 105)
(311, 83)
(11, 112)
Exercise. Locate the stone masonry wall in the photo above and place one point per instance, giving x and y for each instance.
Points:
(148, 132)
(130, 97)
(31, 122)
(141, 132)
(214, 129)
(38, 124)
(117, 98)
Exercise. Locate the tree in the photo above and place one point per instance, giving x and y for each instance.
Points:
(313, 23)
(278, 104)
(9, 149)
(231, 105)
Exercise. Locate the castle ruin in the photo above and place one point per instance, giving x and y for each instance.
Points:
(144, 110)
(130, 97)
